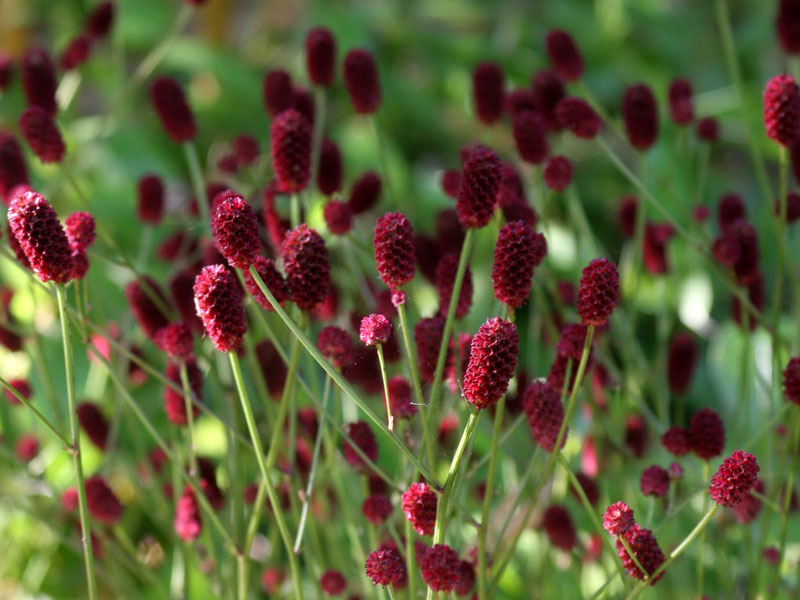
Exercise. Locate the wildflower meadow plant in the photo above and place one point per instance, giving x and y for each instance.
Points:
(281, 286)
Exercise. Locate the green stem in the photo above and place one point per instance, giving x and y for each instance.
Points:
(487, 498)
(389, 417)
(675, 553)
(412, 575)
(729, 47)
(416, 382)
(44, 420)
(75, 444)
(189, 407)
(311, 348)
(196, 175)
(463, 260)
(700, 569)
(277, 511)
(298, 540)
(294, 209)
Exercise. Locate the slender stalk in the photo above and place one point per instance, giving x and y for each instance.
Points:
(341, 381)
(75, 444)
(416, 382)
(435, 393)
(283, 407)
(487, 498)
(389, 417)
(298, 540)
(196, 174)
(277, 511)
(729, 48)
(700, 570)
(787, 499)
(781, 223)
(294, 209)
(675, 553)
(189, 407)
(43, 419)
(412, 575)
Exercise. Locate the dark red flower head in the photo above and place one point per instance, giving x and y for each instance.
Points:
(681, 362)
(707, 434)
(492, 362)
(147, 312)
(361, 80)
(175, 339)
(272, 368)
(332, 582)
(708, 129)
(481, 174)
(654, 481)
(336, 345)
(338, 217)
(734, 479)
(42, 134)
(428, 336)
(174, 401)
(520, 100)
(151, 200)
(400, 398)
(320, 56)
(487, 91)
(747, 510)
(36, 228)
(791, 381)
(548, 90)
(170, 103)
(645, 548)
(787, 25)
(218, 298)
(188, 522)
(394, 249)
(329, 171)
(558, 173)
(598, 292)
(519, 250)
(27, 447)
(782, 109)
(559, 527)
(365, 193)
(529, 136)
(419, 505)
(290, 145)
(545, 413)
(375, 330)
(93, 423)
(235, 229)
(277, 92)
(451, 181)
(100, 20)
(308, 271)
(680, 101)
(654, 247)
(271, 277)
(445, 280)
(361, 435)
(676, 440)
(13, 172)
(564, 55)
(386, 567)
(376, 508)
(640, 114)
(39, 80)
(6, 70)
(618, 518)
(581, 119)
(440, 568)
(102, 503)
(76, 53)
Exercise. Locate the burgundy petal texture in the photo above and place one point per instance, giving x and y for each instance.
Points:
(419, 506)
(102, 503)
(681, 362)
(618, 518)
(218, 298)
(640, 115)
(273, 369)
(266, 269)
(492, 362)
(42, 134)
(679, 97)
(365, 193)
(290, 145)
(791, 380)
(445, 281)
(598, 293)
(480, 181)
(338, 217)
(146, 311)
(545, 413)
(305, 259)
(188, 522)
(320, 56)
(677, 441)
(530, 136)
(330, 169)
(385, 567)
(176, 340)
(558, 173)
(782, 109)
(487, 92)
(564, 55)
(518, 251)
(548, 90)
(393, 243)
(151, 201)
(361, 80)
(35, 226)
(440, 568)
(170, 103)
(645, 548)
(559, 527)
(361, 435)
(336, 345)
(654, 481)
(707, 434)
(734, 479)
(375, 330)
(576, 115)
(332, 582)
(39, 80)
(234, 227)
(277, 92)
